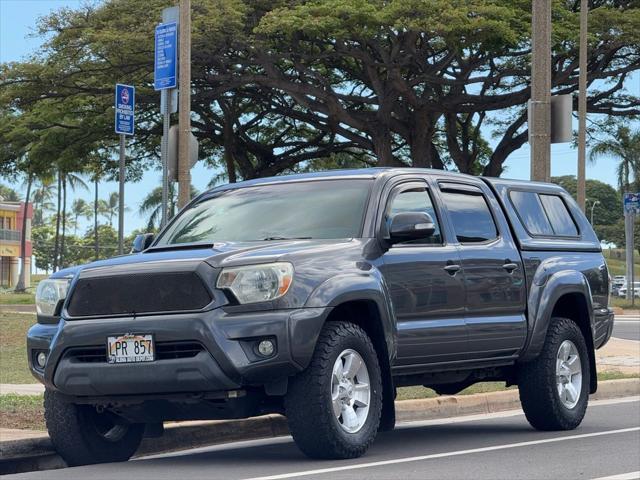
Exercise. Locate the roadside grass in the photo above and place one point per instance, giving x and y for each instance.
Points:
(24, 412)
(14, 367)
(12, 298)
(617, 266)
(27, 412)
(9, 297)
(624, 303)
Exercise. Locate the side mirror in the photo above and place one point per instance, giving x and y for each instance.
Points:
(142, 242)
(407, 226)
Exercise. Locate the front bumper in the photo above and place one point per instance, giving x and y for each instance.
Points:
(226, 362)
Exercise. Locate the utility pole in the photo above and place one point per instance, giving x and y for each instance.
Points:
(184, 114)
(540, 104)
(582, 105)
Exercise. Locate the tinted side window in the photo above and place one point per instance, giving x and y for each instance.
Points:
(470, 215)
(415, 200)
(531, 212)
(559, 216)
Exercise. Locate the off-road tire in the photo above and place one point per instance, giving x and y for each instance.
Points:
(73, 432)
(308, 408)
(537, 381)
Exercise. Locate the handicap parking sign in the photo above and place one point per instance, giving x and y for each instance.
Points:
(125, 109)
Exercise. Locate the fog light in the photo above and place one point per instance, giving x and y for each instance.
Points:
(266, 348)
(41, 359)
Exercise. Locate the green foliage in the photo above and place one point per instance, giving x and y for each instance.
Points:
(8, 194)
(608, 210)
(286, 83)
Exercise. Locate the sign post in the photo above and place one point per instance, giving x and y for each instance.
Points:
(631, 209)
(165, 79)
(125, 124)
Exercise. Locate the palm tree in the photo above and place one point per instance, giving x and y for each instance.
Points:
(151, 205)
(65, 180)
(79, 208)
(109, 208)
(43, 199)
(625, 147)
(8, 194)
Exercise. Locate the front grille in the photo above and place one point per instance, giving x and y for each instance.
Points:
(164, 351)
(138, 294)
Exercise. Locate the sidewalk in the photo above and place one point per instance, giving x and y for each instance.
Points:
(18, 308)
(619, 355)
(24, 389)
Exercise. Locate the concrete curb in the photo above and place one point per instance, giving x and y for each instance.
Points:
(37, 453)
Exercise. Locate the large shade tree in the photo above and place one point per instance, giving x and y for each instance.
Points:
(279, 85)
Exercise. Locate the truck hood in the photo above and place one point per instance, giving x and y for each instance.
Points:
(217, 255)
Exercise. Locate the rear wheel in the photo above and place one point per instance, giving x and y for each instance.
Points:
(554, 388)
(333, 407)
(82, 435)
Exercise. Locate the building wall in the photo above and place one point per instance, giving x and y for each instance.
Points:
(11, 219)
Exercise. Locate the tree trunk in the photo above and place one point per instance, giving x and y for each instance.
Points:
(64, 221)
(21, 286)
(229, 147)
(382, 145)
(95, 221)
(56, 243)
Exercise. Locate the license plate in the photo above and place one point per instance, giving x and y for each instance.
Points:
(130, 348)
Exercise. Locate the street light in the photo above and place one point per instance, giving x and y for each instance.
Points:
(593, 205)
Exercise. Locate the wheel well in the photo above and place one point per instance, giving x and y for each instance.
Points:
(366, 315)
(574, 307)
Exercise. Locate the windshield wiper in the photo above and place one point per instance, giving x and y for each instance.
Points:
(267, 239)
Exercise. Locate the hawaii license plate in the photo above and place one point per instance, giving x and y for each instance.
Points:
(130, 348)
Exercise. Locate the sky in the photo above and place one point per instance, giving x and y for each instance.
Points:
(17, 22)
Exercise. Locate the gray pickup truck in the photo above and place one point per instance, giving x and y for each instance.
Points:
(316, 296)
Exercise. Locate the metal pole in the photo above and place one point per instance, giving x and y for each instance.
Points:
(628, 224)
(121, 196)
(540, 105)
(184, 114)
(582, 105)
(164, 147)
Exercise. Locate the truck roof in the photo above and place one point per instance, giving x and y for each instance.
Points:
(366, 173)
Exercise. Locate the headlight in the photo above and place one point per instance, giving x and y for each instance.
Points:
(257, 283)
(49, 293)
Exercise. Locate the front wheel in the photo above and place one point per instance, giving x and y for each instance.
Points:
(333, 407)
(554, 388)
(82, 435)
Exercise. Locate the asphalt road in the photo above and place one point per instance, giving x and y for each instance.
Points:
(494, 446)
(627, 327)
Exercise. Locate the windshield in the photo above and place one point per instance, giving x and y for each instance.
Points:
(321, 209)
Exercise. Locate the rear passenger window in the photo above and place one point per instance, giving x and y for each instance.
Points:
(531, 212)
(470, 215)
(543, 214)
(559, 216)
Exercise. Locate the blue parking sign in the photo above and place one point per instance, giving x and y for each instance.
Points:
(125, 109)
(631, 203)
(166, 57)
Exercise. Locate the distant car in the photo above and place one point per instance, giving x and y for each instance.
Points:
(622, 291)
(617, 283)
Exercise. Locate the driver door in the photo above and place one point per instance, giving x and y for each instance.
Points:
(425, 281)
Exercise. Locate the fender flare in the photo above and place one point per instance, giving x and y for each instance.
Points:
(369, 286)
(546, 291)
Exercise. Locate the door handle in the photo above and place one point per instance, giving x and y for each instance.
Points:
(510, 267)
(452, 269)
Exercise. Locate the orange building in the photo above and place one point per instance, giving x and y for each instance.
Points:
(11, 216)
